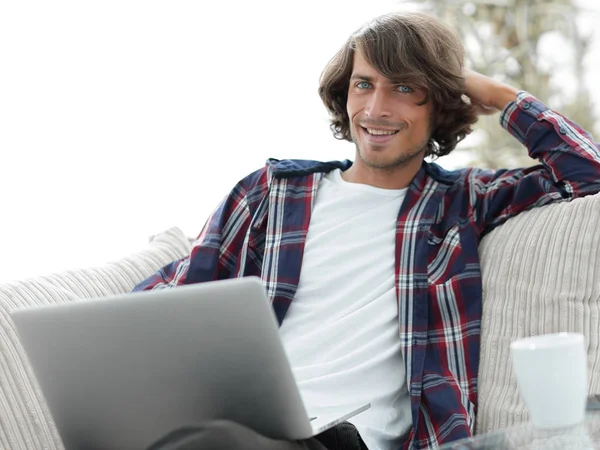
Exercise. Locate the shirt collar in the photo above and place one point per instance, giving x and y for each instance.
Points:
(290, 168)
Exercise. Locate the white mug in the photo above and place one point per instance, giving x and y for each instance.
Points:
(551, 373)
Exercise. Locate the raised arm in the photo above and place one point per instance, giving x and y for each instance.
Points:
(569, 157)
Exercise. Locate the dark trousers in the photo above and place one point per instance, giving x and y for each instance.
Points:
(220, 435)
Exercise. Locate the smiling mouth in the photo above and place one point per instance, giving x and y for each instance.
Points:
(375, 132)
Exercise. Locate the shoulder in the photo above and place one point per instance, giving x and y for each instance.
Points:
(448, 177)
(462, 177)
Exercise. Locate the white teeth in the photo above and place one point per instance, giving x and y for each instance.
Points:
(379, 132)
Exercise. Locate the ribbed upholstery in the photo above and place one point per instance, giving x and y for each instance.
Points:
(541, 274)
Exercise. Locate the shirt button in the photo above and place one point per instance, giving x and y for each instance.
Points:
(562, 130)
(526, 105)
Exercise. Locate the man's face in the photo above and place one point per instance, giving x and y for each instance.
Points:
(387, 125)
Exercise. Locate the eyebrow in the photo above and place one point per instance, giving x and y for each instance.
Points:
(361, 77)
(370, 79)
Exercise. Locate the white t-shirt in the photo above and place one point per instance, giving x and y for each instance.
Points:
(341, 332)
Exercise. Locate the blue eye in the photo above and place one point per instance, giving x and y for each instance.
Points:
(363, 85)
(405, 89)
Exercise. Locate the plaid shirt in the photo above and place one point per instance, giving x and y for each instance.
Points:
(260, 229)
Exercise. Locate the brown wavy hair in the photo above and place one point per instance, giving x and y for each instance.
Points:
(416, 49)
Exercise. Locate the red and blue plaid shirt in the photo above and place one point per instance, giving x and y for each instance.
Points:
(260, 229)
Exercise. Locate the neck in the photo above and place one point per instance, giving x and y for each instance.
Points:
(397, 177)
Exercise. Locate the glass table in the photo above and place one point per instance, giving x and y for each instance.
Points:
(585, 436)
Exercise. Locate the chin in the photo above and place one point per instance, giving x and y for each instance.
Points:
(385, 161)
(386, 158)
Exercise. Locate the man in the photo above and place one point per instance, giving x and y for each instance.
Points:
(372, 266)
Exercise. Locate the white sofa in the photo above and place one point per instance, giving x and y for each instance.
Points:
(541, 274)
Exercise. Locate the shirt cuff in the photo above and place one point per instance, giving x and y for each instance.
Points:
(520, 115)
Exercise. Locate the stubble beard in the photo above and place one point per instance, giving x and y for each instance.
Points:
(400, 161)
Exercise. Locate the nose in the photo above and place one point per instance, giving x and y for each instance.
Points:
(378, 104)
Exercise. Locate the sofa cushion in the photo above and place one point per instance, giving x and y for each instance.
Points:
(541, 274)
(25, 422)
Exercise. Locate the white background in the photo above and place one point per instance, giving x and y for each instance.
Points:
(119, 119)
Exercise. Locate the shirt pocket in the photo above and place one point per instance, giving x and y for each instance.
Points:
(446, 258)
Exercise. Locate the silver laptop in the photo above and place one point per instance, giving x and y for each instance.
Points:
(123, 371)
